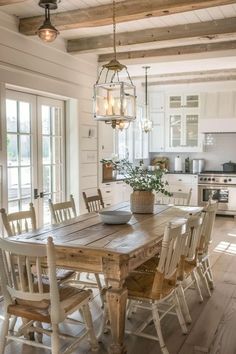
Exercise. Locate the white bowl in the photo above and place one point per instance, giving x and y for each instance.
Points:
(115, 216)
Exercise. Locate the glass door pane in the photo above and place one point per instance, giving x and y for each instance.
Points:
(175, 101)
(175, 131)
(20, 110)
(192, 101)
(191, 130)
(51, 153)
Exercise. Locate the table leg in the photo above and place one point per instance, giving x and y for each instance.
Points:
(116, 300)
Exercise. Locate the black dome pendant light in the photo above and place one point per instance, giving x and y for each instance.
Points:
(47, 32)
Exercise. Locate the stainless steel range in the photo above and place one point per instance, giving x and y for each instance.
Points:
(222, 187)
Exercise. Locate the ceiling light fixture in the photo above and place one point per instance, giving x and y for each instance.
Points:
(114, 99)
(146, 122)
(47, 32)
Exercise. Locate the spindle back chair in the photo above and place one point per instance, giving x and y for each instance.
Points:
(62, 211)
(93, 203)
(36, 302)
(19, 222)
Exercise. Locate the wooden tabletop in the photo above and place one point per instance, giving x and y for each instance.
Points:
(88, 232)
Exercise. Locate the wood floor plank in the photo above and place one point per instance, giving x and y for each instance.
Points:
(225, 339)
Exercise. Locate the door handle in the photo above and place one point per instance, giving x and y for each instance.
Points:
(36, 195)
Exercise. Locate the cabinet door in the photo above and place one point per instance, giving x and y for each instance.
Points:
(175, 101)
(157, 135)
(156, 101)
(211, 105)
(106, 138)
(191, 101)
(175, 130)
(191, 130)
(141, 139)
(226, 102)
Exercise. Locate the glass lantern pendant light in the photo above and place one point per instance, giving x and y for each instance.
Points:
(47, 32)
(146, 123)
(114, 99)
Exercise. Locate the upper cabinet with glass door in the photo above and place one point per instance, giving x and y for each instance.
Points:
(183, 120)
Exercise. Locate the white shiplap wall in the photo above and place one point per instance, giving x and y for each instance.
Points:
(33, 65)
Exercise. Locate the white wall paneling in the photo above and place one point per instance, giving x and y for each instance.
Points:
(27, 63)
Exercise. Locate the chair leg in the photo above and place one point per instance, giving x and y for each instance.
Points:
(99, 284)
(4, 332)
(183, 304)
(179, 314)
(209, 274)
(131, 308)
(89, 326)
(12, 323)
(156, 320)
(203, 279)
(55, 339)
(196, 283)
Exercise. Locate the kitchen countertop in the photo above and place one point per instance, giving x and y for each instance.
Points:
(121, 178)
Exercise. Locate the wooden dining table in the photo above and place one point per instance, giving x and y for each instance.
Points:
(85, 244)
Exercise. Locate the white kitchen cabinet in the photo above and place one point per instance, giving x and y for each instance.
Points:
(157, 136)
(141, 139)
(115, 192)
(181, 183)
(106, 139)
(157, 115)
(182, 134)
(156, 101)
(218, 112)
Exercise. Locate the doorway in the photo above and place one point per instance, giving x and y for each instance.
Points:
(35, 152)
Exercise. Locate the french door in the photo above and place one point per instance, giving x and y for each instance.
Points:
(35, 152)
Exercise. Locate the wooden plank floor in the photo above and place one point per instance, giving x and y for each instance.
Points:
(214, 321)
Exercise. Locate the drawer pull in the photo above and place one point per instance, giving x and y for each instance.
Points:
(179, 190)
(108, 191)
(180, 180)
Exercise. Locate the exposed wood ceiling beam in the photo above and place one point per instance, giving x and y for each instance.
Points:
(129, 10)
(187, 74)
(194, 80)
(208, 30)
(10, 2)
(160, 52)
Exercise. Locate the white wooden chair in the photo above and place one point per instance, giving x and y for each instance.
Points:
(65, 211)
(187, 269)
(177, 198)
(62, 211)
(37, 302)
(19, 222)
(204, 267)
(159, 288)
(24, 221)
(94, 203)
(187, 272)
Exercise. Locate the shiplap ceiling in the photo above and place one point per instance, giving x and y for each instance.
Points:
(30, 8)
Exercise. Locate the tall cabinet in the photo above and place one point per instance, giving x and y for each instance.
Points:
(182, 128)
(157, 115)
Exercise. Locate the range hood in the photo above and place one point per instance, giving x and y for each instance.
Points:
(217, 125)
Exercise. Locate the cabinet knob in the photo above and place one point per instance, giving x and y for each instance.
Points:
(180, 180)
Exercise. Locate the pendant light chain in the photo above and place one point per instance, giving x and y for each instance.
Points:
(114, 27)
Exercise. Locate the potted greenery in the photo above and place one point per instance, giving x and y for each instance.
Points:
(143, 182)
